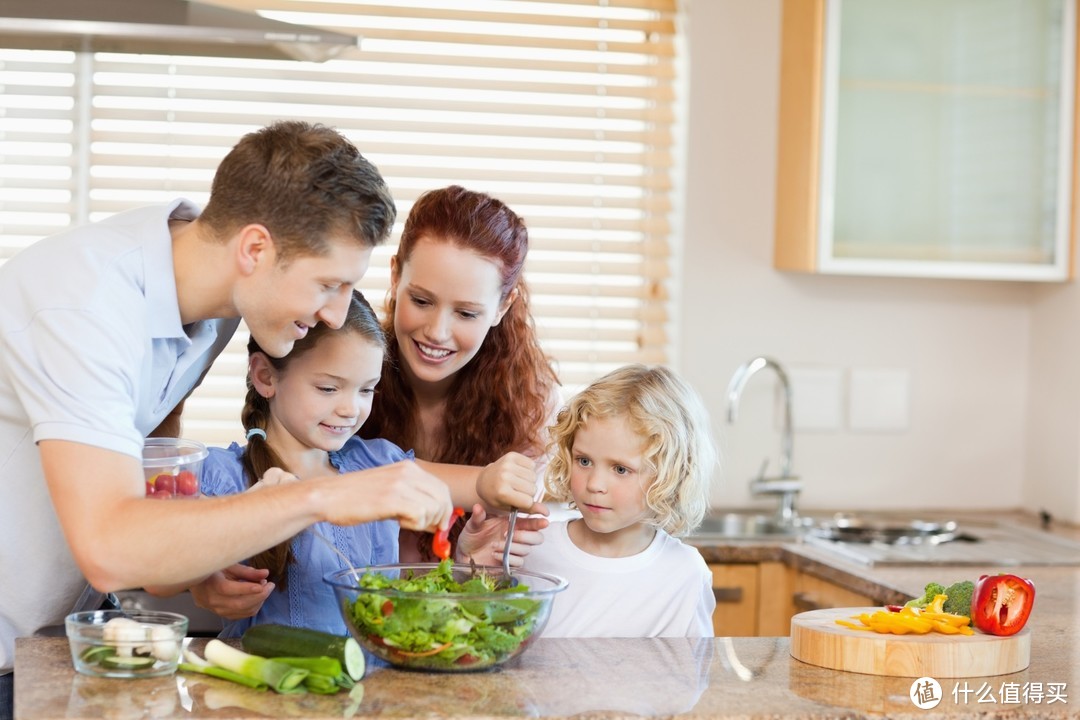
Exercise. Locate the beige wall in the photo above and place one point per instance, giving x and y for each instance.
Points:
(983, 358)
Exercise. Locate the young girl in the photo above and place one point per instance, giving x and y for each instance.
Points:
(634, 453)
(466, 380)
(301, 413)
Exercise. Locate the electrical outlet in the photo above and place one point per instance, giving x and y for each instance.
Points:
(878, 400)
(816, 398)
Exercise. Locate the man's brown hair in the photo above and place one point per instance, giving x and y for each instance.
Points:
(305, 183)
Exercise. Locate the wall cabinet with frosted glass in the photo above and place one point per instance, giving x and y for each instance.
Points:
(928, 138)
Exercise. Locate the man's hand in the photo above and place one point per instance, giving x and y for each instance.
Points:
(484, 538)
(414, 497)
(235, 593)
(509, 482)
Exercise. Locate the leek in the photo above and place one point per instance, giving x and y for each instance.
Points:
(222, 674)
(280, 677)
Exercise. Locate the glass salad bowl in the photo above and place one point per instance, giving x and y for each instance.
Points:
(438, 617)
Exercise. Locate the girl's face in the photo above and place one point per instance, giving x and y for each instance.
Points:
(324, 395)
(609, 478)
(447, 298)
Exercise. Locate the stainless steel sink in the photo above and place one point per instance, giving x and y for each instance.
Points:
(748, 525)
(841, 527)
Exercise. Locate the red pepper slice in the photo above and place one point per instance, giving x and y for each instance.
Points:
(440, 545)
(1001, 604)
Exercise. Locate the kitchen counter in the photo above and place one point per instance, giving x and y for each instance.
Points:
(620, 678)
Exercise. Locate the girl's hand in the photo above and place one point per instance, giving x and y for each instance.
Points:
(510, 482)
(235, 593)
(274, 476)
(484, 537)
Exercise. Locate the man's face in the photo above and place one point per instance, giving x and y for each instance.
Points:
(279, 302)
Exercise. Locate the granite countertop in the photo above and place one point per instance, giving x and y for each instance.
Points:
(617, 678)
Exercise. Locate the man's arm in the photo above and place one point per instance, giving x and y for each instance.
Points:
(120, 539)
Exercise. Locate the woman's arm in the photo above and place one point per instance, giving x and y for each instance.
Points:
(509, 482)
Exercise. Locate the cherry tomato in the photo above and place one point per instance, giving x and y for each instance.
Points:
(187, 483)
(165, 483)
(1001, 604)
(387, 608)
(149, 488)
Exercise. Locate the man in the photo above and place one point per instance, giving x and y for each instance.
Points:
(104, 329)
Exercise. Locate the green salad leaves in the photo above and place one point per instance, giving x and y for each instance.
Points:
(441, 627)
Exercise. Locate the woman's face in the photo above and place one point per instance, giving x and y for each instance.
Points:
(447, 298)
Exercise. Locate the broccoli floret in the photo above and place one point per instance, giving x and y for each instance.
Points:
(931, 590)
(959, 601)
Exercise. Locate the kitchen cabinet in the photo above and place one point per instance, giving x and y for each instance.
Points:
(752, 599)
(759, 599)
(927, 138)
(810, 592)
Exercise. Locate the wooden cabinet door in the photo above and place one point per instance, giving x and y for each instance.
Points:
(813, 593)
(736, 589)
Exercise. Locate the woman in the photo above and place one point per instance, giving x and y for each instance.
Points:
(465, 379)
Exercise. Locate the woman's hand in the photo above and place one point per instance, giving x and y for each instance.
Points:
(484, 537)
(510, 482)
(235, 593)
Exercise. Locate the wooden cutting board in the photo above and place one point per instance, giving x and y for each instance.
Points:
(818, 640)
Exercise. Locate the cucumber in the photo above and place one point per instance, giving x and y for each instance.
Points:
(273, 641)
(127, 662)
(95, 653)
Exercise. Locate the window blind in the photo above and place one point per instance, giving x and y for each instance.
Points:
(563, 109)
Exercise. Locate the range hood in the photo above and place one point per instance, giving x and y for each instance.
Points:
(162, 27)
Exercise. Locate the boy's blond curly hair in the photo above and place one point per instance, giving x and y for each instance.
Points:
(674, 425)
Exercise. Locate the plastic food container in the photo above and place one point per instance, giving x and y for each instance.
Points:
(173, 467)
(113, 643)
(431, 628)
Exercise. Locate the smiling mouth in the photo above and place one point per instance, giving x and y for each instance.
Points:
(430, 352)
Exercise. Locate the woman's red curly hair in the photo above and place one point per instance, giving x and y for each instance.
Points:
(499, 401)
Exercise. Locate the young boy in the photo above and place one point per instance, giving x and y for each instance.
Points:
(106, 328)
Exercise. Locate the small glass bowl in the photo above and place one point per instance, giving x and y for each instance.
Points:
(173, 467)
(117, 644)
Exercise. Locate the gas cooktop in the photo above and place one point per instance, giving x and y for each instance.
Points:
(998, 544)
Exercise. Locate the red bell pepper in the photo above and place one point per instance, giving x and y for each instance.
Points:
(1001, 604)
(440, 544)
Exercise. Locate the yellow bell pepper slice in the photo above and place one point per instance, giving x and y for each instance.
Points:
(912, 621)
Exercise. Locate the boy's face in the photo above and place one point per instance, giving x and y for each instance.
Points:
(279, 302)
(609, 476)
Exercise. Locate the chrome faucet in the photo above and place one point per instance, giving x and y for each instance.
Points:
(786, 485)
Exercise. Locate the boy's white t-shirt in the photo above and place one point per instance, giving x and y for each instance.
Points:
(663, 591)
